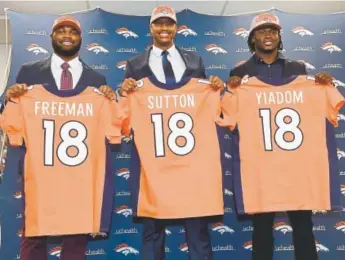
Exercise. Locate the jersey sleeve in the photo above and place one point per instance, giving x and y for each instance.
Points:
(335, 101)
(12, 122)
(229, 106)
(109, 118)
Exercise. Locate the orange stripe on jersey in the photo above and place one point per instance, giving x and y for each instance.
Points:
(65, 161)
(176, 138)
(283, 152)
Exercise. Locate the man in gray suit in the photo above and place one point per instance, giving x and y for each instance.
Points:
(168, 64)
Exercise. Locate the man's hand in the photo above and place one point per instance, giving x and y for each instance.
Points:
(216, 82)
(233, 82)
(16, 90)
(128, 85)
(107, 91)
(323, 78)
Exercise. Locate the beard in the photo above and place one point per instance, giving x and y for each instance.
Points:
(266, 51)
(65, 53)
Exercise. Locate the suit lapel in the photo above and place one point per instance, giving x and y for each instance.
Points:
(146, 69)
(184, 56)
(83, 79)
(47, 74)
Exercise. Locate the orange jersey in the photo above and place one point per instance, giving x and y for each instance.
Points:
(283, 154)
(65, 160)
(176, 139)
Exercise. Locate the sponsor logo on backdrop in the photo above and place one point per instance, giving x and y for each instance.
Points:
(122, 194)
(19, 216)
(121, 65)
(167, 232)
(240, 62)
(148, 34)
(228, 192)
(184, 247)
(98, 234)
(241, 32)
(99, 66)
(91, 252)
(330, 47)
(123, 231)
(332, 66)
(17, 195)
(96, 48)
(303, 48)
(320, 228)
(97, 31)
(332, 31)
(36, 49)
(342, 173)
(228, 210)
(323, 212)
(320, 247)
(127, 50)
(123, 156)
(338, 83)
(300, 30)
(36, 32)
(215, 49)
(340, 248)
(55, 251)
(340, 154)
(125, 249)
(284, 248)
(123, 172)
(248, 245)
(340, 117)
(308, 65)
(124, 211)
(340, 226)
(342, 189)
(282, 227)
(240, 50)
(185, 31)
(247, 228)
(212, 33)
(221, 228)
(182, 230)
(227, 136)
(193, 49)
(167, 250)
(227, 156)
(20, 233)
(228, 173)
(17, 257)
(123, 31)
(124, 138)
(217, 67)
(223, 248)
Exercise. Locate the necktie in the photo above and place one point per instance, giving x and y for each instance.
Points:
(168, 71)
(66, 77)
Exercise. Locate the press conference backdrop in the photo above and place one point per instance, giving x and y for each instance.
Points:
(108, 40)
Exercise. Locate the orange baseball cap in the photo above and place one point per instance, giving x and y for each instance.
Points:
(66, 20)
(163, 11)
(265, 19)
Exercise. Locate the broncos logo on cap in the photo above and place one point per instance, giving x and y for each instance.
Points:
(126, 33)
(36, 49)
(96, 48)
(185, 31)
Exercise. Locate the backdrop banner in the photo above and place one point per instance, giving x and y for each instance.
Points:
(109, 39)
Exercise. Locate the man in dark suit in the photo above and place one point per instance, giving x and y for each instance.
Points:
(168, 64)
(63, 71)
(267, 62)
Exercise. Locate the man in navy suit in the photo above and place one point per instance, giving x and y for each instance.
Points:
(63, 71)
(168, 64)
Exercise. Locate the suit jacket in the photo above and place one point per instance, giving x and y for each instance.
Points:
(138, 67)
(39, 72)
(249, 68)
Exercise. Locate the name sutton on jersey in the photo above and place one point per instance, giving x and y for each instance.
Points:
(171, 101)
(45, 108)
(277, 98)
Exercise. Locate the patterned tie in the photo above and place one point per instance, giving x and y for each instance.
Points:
(168, 71)
(66, 77)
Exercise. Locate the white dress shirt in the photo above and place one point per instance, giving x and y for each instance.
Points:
(156, 65)
(76, 69)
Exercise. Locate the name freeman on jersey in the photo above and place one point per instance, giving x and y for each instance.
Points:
(277, 98)
(171, 101)
(63, 109)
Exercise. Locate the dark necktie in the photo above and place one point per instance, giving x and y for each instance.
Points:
(168, 71)
(66, 77)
